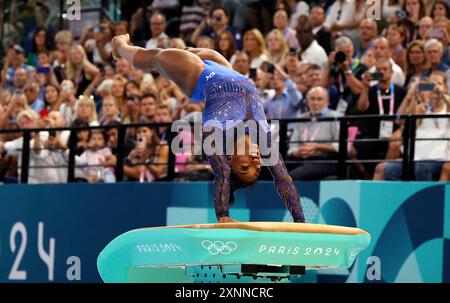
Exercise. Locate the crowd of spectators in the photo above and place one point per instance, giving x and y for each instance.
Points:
(308, 59)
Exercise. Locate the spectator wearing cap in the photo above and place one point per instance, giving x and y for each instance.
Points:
(158, 25)
(306, 135)
(321, 34)
(311, 51)
(215, 24)
(15, 58)
(281, 22)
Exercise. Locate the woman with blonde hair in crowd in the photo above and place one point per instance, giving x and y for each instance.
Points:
(225, 45)
(118, 92)
(110, 110)
(60, 56)
(79, 69)
(177, 43)
(277, 46)
(85, 109)
(255, 47)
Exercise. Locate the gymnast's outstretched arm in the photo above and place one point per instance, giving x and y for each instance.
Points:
(287, 190)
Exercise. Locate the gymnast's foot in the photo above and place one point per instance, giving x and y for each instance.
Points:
(226, 219)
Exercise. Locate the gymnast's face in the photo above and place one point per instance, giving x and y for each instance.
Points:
(246, 166)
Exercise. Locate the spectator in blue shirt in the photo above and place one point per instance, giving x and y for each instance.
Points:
(31, 91)
(286, 102)
(433, 52)
(14, 59)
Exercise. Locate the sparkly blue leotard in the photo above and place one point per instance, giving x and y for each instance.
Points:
(229, 96)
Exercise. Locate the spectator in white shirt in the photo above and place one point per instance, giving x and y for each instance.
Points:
(381, 46)
(311, 51)
(158, 26)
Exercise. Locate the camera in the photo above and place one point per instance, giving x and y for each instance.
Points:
(52, 133)
(401, 15)
(252, 73)
(376, 76)
(340, 57)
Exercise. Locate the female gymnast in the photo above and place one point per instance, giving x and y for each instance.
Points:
(206, 75)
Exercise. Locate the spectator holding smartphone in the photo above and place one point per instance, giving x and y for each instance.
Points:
(214, 25)
(384, 98)
(286, 103)
(148, 160)
(100, 44)
(429, 97)
(382, 52)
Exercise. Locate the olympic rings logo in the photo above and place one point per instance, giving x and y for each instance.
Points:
(218, 247)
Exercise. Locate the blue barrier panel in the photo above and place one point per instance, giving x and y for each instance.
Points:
(55, 232)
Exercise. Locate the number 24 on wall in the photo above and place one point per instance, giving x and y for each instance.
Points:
(47, 258)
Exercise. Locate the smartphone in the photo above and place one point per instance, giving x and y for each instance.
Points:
(426, 86)
(17, 92)
(435, 33)
(377, 76)
(141, 142)
(66, 85)
(43, 69)
(52, 133)
(252, 73)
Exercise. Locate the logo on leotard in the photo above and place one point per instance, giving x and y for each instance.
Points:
(212, 74)
(218, 247)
